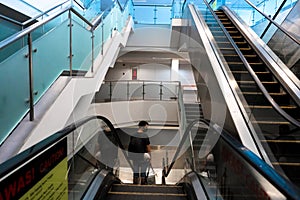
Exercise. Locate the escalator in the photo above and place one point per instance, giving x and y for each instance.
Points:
(66, 166)
(272, 110)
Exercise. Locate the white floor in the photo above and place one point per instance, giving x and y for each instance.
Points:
(174, 176)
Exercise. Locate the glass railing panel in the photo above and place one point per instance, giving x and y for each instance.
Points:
(81, 47)
(7, 29)
(92, 147)
(119, 91)
(163, 15)
(136, 91)
(44, 74)
(140, 17)
(152, 91)
(177, 9)
(98, 43)
(275, 38)
(93, 9)
(40, 31)
(108, 24)
(126, 12)
(169, 91)
(12, 48)
(155, 14)
(268, 7)
(285, 10)
(122, 2)
(86, 3)
(14, 93)
(104, 94)
(48, 66)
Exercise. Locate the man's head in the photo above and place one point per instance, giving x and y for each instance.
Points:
(143, 125)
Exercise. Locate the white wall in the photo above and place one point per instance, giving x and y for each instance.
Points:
(158, 36)
(152, 71)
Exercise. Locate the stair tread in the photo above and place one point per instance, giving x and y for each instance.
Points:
(253, 82)
(282, 141)
(251, 63)
(231, 48)
(146, 194)
(271, 122)
(287, 163)
(148, 186)
(246, 72)
(270, 107)
(260, 93)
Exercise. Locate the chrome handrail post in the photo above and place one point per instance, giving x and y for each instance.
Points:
(70, 45)
(93, 46)
(30, 67)
(102, 36)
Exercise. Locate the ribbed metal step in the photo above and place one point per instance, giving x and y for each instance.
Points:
(149, 192)
(193, 111)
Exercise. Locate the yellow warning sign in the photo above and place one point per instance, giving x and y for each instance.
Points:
(54, 185)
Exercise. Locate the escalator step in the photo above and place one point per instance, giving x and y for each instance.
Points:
(170, 189)
(256, 98)
(271, 86)
(148, 196)
(149, 192)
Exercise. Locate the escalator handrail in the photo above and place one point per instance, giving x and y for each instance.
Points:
(275, 23)
(253, 74)
(167, 169)
(31, 152)
(33, 27)
(282, 184)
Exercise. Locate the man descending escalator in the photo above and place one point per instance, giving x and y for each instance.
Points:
(139, 145)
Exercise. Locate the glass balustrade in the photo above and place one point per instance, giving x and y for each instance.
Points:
(51, 50)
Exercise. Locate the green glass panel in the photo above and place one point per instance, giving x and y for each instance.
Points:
(107, 27)
(48, 66)
(82, 47)
(11, 48)
(141, 18)
(98, 40)
(14, 91)
(163, 15)
(7, 29)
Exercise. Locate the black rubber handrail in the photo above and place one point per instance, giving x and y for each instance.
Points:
(282, 184)
(31, 152)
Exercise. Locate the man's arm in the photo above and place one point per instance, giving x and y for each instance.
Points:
(148, 149)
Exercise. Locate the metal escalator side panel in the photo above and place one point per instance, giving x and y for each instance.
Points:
(234, 103)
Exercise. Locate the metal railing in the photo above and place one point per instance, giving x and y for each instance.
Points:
(138, 90)
(66, 15)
